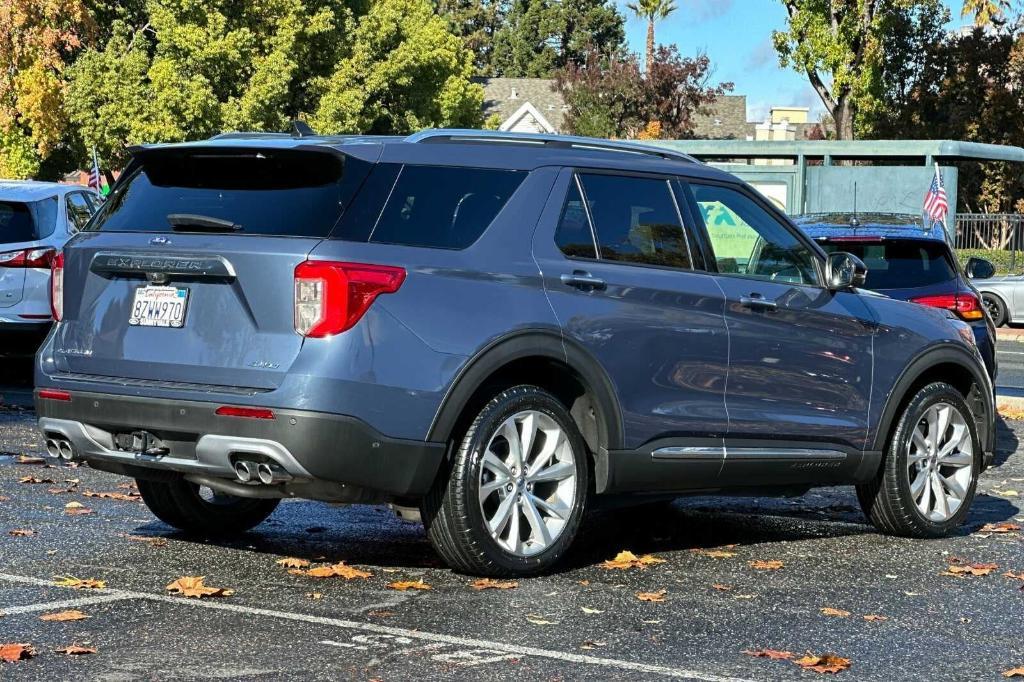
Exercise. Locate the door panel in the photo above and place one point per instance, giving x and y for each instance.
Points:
(800, 365)
(658, 332)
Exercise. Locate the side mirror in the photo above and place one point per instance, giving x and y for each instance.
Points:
(845, 271)
(979, 268)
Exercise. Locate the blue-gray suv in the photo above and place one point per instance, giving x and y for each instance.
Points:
(493, 331)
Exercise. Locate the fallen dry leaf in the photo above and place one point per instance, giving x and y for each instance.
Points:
(591, 644)
(652, 596)
(540, 620)
(715, 553)
(1006, 493)
(874, 617)
(584, 583)
(403, 585)
(770, 565)
(1014, 672)
(1005, 527)
(35, 480)
(292, 562)
(16, 652)
(80, 583)
(153, 542)
(1015, 576)
(315, 595)
(839, 613)
(193, 587)
(588, 610)
(123, 497)
(721, 587)
(826, 663)
(959, 570)
(62, 616)
(492, 584)
(773, 654)
(338, 570)
(75, 650)
(626, 559)
(76, 509)
(29, 459)
(21, 532)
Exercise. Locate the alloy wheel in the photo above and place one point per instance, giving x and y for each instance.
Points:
(940, 462)
(527, 485)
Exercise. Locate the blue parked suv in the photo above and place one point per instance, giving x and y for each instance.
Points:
(493, 330)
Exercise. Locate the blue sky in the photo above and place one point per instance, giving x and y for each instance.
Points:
(736, 35)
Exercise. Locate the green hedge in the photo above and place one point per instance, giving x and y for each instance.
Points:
(998, 258)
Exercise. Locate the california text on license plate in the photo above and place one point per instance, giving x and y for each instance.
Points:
(159, 307)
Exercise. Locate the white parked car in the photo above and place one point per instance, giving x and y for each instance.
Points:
(36, 219)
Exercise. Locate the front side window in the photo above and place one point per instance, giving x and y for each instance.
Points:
(443, 207)
(635, 220)
(748, 240)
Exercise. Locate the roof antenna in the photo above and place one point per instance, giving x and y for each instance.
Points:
(854, 222)
(301, 129)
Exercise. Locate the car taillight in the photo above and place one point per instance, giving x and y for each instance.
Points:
(331, 297)
(966, 306)
(28, 258)
(57, 287)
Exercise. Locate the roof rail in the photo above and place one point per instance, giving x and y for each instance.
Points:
(239, 135)
(441, 135)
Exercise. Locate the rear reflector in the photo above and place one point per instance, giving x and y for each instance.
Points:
(246, 412)
(53, 394)
(331, 297)
(966, 306)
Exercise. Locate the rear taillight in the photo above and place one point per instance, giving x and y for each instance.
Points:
(966, 306)
(28, 258)
(331, 297)
(57, 287)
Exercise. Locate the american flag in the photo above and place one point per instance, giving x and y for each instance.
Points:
(94, 174)
(936, 203)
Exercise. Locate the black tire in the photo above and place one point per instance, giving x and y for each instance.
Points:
(887, 500)
(452, 513)
(179, 504)
(996, 309)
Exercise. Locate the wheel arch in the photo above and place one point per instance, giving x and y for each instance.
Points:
(954, 366)
(544, 359)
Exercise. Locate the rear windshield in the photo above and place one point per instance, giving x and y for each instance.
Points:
(27, 222)
(292, 193)
(900, 263)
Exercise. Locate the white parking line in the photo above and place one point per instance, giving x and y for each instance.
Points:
(65, 604)
(395, 632)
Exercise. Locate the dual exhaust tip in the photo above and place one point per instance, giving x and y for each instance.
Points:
(60, 448)
(260, 472)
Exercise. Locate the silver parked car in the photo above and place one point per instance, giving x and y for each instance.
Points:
(1003, 296)
(36, 219)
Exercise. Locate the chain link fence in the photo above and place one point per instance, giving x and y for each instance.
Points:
(997, 237)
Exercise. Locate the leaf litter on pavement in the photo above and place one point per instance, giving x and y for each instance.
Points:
(194, 587)
(626, 559)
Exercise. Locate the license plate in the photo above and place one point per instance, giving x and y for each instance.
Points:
(159, 307)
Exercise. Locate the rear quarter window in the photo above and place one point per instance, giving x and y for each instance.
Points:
(294, 193)
(27, 221)
(443, 207)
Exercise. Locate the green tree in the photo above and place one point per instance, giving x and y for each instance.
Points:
(541, 36)
(837, 45)
(406, 71)
(652, 11)
(985, 12)
(476, 22)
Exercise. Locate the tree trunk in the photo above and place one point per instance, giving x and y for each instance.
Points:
(650, 45)
(842, 114)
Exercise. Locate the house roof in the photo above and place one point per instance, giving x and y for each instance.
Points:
(505, 96)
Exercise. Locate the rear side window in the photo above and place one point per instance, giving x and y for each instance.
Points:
(27, 222)
(441, 207)
(79, 210)
(293, 193)
(636, 220)
(899, 263)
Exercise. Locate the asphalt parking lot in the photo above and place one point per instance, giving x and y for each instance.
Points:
(584, 622)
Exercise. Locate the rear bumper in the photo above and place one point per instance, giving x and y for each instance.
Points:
(310, 446)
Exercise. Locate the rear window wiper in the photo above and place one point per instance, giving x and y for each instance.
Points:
(186, 222)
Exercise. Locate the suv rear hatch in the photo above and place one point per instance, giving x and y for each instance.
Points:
(22, 225)
(186, 275)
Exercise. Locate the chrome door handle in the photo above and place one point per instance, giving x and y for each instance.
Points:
(758, 302)
(583, 280)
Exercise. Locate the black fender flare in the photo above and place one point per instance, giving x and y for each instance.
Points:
(924, 361)
(532, 343)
